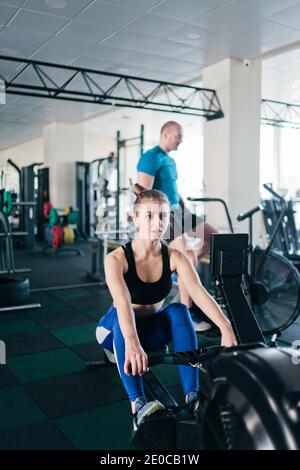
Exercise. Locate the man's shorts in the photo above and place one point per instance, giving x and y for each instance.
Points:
(182, 220)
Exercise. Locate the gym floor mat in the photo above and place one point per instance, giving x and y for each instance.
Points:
(87, 302)
(89, 351)
(72, 294)
(17, 408)
(50, 319)
(7, 378)
(28, 343)
(76, 334)
(43, 365)
(17, 326)
(111, 371)
(106, 427)
(53, 306)
(52, 271)
(72, 393)
(94, 312)
(40, 436)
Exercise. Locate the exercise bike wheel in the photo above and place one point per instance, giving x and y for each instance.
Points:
(274, 292)
(224, 427)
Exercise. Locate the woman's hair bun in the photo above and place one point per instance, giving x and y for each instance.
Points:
(137, 189)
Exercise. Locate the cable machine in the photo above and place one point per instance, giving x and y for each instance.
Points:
(123, 144)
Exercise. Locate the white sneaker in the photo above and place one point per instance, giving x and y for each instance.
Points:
(200, 325)
(145, 411)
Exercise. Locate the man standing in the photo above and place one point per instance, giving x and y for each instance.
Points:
(106, 170)
(157, 170)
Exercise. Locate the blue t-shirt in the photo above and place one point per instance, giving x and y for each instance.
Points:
(157, 163)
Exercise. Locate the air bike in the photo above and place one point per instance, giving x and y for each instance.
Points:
(250, 394)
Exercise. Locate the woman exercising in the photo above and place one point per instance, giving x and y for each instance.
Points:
(138, 276)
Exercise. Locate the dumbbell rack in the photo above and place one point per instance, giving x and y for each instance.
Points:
(62, 248)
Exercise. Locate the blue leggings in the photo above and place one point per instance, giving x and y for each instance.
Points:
(172, 323)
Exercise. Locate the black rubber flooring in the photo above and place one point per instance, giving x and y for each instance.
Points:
(62, 269)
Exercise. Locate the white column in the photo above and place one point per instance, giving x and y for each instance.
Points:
(63, 146)
(232, 144)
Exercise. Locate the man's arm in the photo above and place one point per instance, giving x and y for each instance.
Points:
(145, 180)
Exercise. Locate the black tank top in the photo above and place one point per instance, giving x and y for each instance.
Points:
(143, 293)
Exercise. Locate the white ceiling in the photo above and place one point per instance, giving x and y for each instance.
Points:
(161, 39)
(281, 77)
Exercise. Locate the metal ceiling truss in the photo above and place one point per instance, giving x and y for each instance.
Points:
(36, 78)
(75, 84)
(280, 114)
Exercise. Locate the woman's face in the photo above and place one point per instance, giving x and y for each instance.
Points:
(151, 218)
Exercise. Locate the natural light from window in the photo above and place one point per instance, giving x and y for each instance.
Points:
(189, 161)
(267, 156)
(290, 160)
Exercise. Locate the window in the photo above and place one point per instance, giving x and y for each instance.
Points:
(189, 162)
(289, 177)
(267, 156)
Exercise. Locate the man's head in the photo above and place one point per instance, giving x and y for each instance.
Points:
(111, 157)
(171, 136)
